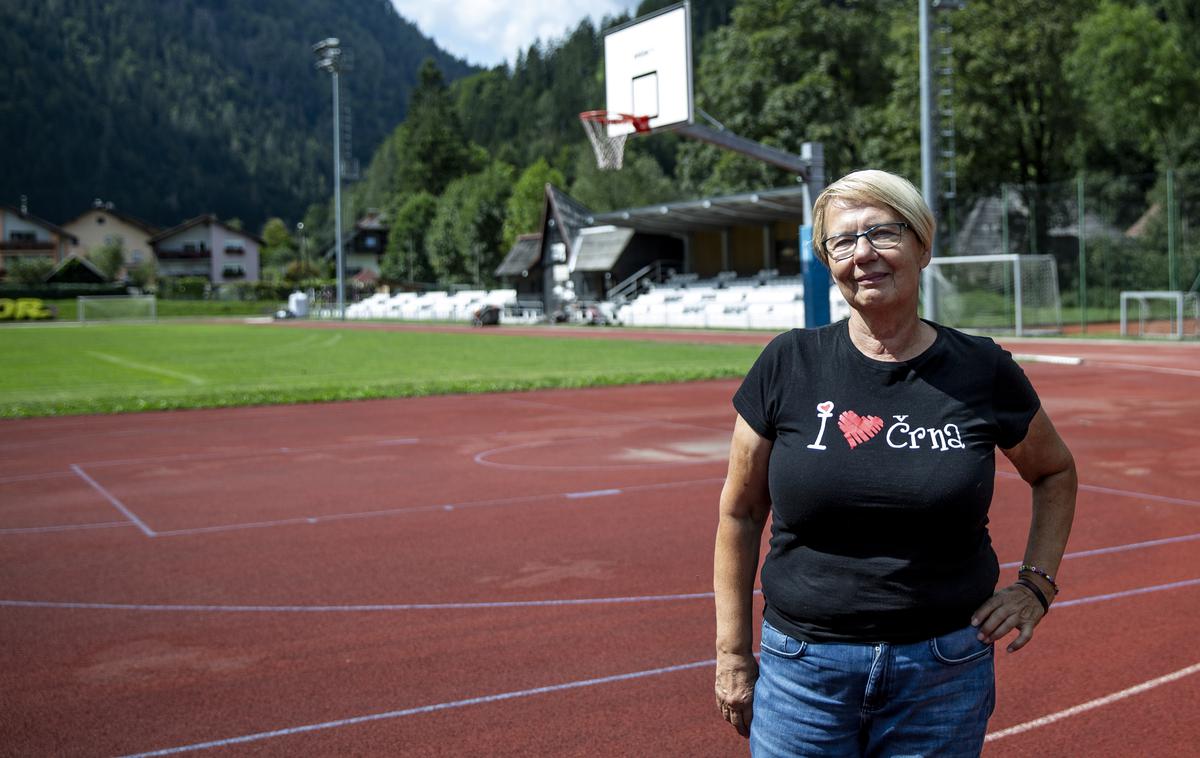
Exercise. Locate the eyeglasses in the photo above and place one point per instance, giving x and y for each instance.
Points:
(881, 236)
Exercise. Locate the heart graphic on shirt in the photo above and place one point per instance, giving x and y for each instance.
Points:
(858, 429)
(825, 407)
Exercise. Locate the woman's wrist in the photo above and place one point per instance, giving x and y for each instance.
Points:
(1039, 577)
(1036, 591)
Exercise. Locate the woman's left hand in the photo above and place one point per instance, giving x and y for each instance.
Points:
(1014, 607)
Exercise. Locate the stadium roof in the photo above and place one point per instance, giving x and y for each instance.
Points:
(713, 213)
(523, 256)
(600, 247)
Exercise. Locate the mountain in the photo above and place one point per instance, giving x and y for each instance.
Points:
(173, 108)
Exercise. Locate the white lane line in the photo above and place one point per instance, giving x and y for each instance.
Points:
(447, 507)
(1143, 495)
(1127, 593)
(1093, 704)
(425, 709)
(482, 459)
(112, 499)
(592, 493)
(239, 456)
(380, 607)
(1119, 548)
(63, 527)
(392, 607)
(148, 368)
(1063, 360)
(1143, 367)
(1119, 493)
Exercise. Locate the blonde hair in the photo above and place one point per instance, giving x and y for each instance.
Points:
(874, 187)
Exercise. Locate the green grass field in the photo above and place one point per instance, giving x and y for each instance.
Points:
(47, 371)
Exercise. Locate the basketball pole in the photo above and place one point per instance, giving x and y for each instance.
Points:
(928, 158)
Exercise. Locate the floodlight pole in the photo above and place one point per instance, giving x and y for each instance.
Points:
(329, 56)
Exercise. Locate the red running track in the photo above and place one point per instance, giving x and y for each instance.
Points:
(522, 574)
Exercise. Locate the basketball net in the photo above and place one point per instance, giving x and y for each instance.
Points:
(610, 149)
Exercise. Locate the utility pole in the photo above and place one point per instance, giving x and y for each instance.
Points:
(329, 56)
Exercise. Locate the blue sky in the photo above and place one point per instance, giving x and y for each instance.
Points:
(489, 32)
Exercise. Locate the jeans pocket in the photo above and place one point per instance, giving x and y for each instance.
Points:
(959, 646)
(780, 644)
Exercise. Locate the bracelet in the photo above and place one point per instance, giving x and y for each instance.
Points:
(1041, 597)
(1039, 572)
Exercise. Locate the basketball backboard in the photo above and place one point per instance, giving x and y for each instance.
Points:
(648, 69)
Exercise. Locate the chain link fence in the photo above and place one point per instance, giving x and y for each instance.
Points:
(1108, 235)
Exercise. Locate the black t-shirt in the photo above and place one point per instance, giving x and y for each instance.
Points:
(880, 477)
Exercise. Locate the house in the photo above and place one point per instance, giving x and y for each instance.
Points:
(363, 247)
(204, 246)
(25, 237)
(103, 224)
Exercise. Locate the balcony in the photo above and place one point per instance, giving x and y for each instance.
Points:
(186, 254)
(27, 245)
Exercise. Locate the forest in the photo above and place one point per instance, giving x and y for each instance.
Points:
(174, 108)
(1081, 114)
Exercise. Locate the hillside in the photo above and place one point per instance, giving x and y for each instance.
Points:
(172, 108)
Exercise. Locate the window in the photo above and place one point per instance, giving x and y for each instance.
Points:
(22, 236)
(100, 219)
(235, 250)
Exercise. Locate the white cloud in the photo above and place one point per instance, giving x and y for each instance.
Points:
(489, 32)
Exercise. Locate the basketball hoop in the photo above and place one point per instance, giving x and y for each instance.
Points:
(610, 149)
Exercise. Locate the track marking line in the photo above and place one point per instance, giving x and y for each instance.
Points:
(1120, 493)
(1062, 360)
(148, 368)
(239, 456)
(380, 607)
(63, 527)
(641, 421)
(482, 459)
(1143, 495)
(1093, 704)
(1119, 548)
(393, 607)
(113, 499)
(592, 493)
(1143, 367)
(1127, 593)
(445, 507)
(425, 709)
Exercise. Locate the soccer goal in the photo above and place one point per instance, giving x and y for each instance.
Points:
(93, 308)
(1001, 293)
(1162, 313)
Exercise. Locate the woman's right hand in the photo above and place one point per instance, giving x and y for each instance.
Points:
(736, 675)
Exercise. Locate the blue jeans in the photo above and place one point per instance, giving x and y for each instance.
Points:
(930, 698)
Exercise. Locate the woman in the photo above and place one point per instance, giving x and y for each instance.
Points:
(871, 442)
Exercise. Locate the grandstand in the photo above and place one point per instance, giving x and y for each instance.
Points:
(725, 301)
(444, 306)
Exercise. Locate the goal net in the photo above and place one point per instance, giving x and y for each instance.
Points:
(1160, 314)
(1017, 294)
(92, 308)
